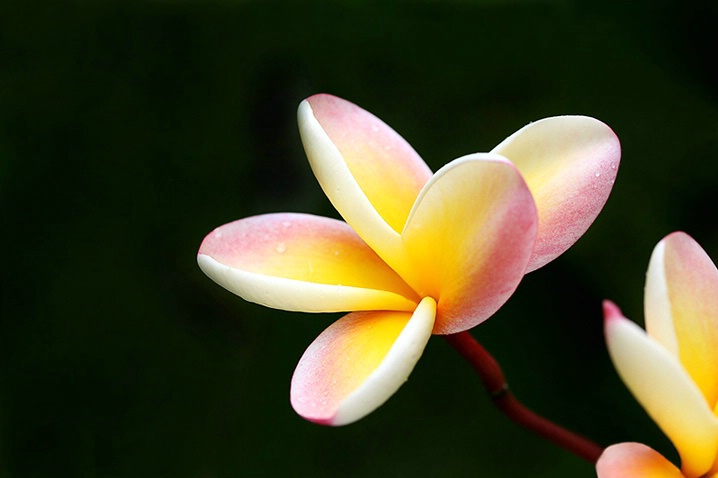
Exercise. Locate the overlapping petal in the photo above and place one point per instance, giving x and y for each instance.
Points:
(634, 460)
(682, 308)
(304, 263)
(369, 172)
(359, 362)
(456, 243)
(469, 238)
(665, 390)
(569, 164)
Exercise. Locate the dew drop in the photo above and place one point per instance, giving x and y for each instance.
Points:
(281, 248)
(286, 224)
(598, 174)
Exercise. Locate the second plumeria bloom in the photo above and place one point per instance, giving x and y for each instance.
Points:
(672, 367)
(420, 253)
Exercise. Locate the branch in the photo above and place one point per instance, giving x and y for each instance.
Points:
(495, 384)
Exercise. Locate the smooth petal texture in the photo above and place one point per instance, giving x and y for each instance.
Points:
(304, 263)
(569, 164)
(356, 364)
(469, 238)
(634, 460)
(665, 390)
(657, 304)
(692, 285)
(371, 175)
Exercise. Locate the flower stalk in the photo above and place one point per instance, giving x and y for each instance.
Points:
(496, 386)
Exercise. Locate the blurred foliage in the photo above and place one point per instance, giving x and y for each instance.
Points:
(129, 130)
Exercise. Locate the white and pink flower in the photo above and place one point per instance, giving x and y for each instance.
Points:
(419, 253)
(671, 367)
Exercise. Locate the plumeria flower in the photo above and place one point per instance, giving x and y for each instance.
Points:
(419, 253)
(672, 367)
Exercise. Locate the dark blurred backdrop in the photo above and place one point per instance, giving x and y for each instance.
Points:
(129, 130)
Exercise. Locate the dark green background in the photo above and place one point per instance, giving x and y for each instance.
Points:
(130, 130)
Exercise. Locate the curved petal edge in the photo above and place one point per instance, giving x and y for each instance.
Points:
(665, 390)
(298, 296)
(692, 289)
(470, 236)
(362, 185)
(302, 262)
(570, 164)
(634, 460)
(360, 361)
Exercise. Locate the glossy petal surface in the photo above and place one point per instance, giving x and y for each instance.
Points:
(369, 172)
(665, 390)
(692, 288)
(634, 460)
(359, 362)
(569, 164)
(469, 239)
(303, 263)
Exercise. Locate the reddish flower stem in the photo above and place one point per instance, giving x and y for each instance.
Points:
(495, 384)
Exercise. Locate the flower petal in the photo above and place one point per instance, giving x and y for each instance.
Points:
(691, 281)
(569, 164)
(301, 262)
(360, 361)
(657, 303)
(665, 390)
(634, 460)
(369, 172)
(469, 238)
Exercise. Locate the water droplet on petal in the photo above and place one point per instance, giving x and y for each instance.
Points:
(598, 174)
(281, 248)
